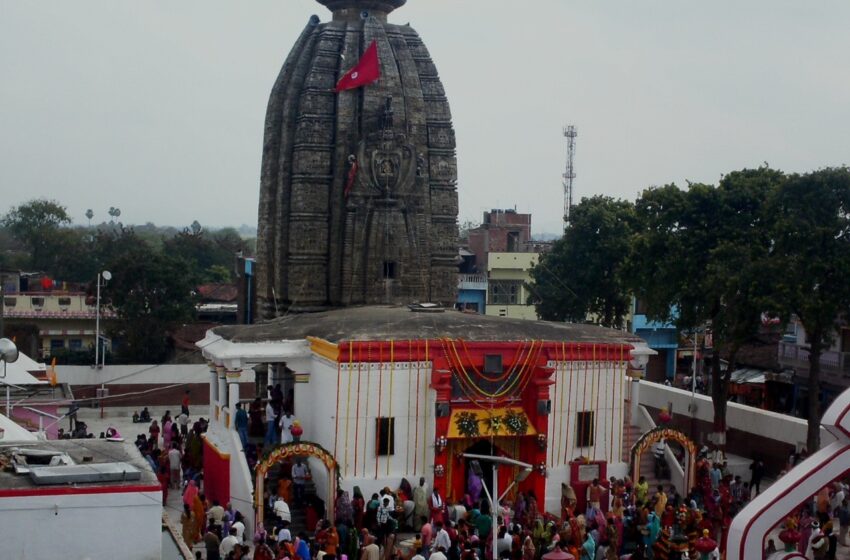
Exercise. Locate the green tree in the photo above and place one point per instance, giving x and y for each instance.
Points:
(37, 225)
(699, 260)
(810, 266)
(583, 274)
(152, 294)
(209, 253)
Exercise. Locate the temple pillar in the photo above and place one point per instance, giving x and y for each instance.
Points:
(213, 389)
(232, 378)
(221, 401)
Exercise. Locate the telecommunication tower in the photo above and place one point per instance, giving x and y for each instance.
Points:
(570, 174)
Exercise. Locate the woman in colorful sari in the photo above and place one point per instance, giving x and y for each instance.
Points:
(358, 505)
(188, 526)
(344, 511)
(190, 493)
(200, 511)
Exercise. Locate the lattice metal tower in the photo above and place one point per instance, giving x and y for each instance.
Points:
(570, 173)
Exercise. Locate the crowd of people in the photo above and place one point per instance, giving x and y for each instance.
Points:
(622, 519)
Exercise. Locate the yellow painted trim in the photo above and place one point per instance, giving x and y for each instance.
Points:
(482, 416)
(216, 450)
(324, 348)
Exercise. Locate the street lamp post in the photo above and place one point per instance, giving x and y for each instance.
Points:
(495, 498)
(8, 354)
(638, 358)
(106, 276)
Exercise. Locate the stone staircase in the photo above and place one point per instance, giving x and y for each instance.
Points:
(647, 463)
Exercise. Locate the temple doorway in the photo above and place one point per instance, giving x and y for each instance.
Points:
(459, 474)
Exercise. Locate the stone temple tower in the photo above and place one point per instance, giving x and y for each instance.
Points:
(358, 196)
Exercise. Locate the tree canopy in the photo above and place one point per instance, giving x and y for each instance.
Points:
(810, 265)
(583, 273)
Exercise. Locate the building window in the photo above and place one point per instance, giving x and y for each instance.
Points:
(493, 363)
(513, 241)
(505, 292)
(38, 301)
(64, 302)
(10, 301)
(390, 270)
(57, 344)
(585, 429)
(385, 436)
(76, 344)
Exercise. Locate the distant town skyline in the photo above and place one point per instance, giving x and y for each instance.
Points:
(157, 108)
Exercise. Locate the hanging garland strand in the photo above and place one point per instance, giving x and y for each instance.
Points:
(520, 377)
(482, 375)
(499, 396)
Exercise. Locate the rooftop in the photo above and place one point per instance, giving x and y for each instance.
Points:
(399, 322)
(101, 457)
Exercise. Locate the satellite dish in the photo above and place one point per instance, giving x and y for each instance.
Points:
(106, 275)
(8, 351)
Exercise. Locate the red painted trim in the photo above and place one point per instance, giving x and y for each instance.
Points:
(550, 350)
(77, 490)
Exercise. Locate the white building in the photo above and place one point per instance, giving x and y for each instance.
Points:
(91, 499)
(386, 393)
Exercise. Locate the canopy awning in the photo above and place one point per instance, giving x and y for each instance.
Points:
(478, 422)
(747, 375)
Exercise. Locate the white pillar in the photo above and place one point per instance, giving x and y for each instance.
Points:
(213, 390)
(634, 403)
(221, 401)
(232, 394)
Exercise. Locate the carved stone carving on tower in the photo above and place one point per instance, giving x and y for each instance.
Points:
(358, 194)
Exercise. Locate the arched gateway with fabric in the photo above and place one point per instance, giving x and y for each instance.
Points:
(294, 450)
(662, 433)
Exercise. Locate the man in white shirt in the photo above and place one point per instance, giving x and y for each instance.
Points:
(442, 539)
(183, 420)
(281, 509)
(174, 457)
(285, 424)
(228, 543)
(284, 534)
(371, 550)
(271, 424)
(239, 527)
(437, 555)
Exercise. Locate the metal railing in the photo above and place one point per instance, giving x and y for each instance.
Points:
(794, 355)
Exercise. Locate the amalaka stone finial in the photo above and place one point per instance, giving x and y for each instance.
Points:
(380, 6)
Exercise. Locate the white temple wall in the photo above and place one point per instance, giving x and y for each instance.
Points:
(343, 419)
(597, 387)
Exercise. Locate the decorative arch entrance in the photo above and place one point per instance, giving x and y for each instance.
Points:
(295, 450)
(647, 440)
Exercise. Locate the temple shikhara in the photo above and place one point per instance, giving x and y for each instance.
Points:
(357, 260)
(358, 196)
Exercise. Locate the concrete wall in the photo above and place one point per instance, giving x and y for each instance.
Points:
(771, 434)
(152, 385)
(91, 526)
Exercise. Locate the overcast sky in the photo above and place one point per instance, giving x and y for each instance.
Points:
(157, 107)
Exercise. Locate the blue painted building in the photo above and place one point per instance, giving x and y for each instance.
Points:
(661, 337)
(472, 292)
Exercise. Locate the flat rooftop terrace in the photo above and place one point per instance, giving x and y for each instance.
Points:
(87, 456)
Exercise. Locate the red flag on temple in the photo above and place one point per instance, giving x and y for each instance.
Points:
(365, 72)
